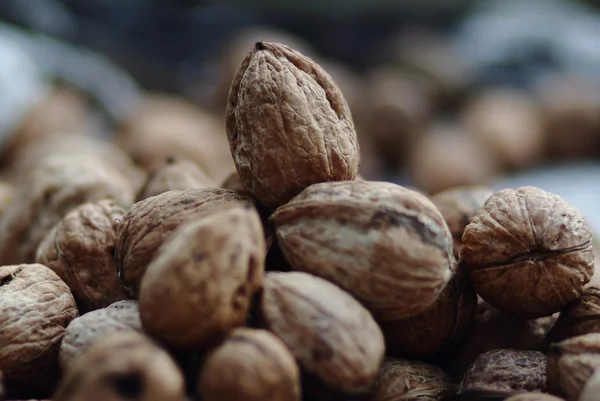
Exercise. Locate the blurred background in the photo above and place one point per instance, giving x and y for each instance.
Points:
(444, 93)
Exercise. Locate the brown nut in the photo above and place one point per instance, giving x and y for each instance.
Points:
(403, 379)
(330, 333)
(436, 330)
(80, 249)
(528, 252)
(505, 372)
(582, 316)
(148, 223)
(458, 206)
(85, 331)
(251, 365)
(288, 125)
(123, 366)
(35, 307)
(386, 245)
(592, 388)
(534, 397)
(199, 287)
(571, 363)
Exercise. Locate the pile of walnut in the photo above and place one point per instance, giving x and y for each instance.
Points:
(294, 280)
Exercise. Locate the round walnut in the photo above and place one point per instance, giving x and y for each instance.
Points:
(403, 379)
(148, 223)
(84, 331)
(386, 245)
(331, 335)
(35, 307)
(251, 365)
(80, 249)
(534, 397)
(504, 372)
(436, 330)
(528, 251)
(123, 366)
(582, 316)
(200, 286)
(288, 125)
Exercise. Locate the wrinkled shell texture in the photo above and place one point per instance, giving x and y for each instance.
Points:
(592, 388)
(200, 286)
(528, 252)
(582, 316)
(80, 249)
(332, 335)
(35, 307)
(84, 331)
(535, 397)
(403, 379)
(148, 223)
(437, 329)
(124, 366)
(386, 245)
(56, 186)
(251, 365)
(288, 125)
(571, 363)
(505, 372)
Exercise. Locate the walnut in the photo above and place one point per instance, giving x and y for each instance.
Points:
(458, 206)
(534, 397)
(582, 316)
(571, 363)
(175, 174)
(35, 307)
(84, 331)
(251, 365)
(331, 335)
(123, 366)
(439, 328)
(592, 388)
(288, 125)
(505, 372)
(386, 245)
(403, 379)
(528, 251)
(148, 223)
(80, 249)
(217, 260)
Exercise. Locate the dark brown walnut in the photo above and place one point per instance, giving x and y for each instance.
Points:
(534, 397)
(148, 223)
(330, 333)
(35, 307)
(175, 174)
(199, 287)
(80, 249)
(458, 206)
(386, 245)
(439, 328)
(582, 316)
(403, 379)
(504, 372)
(592, 388)
(84, 331)
(571, 363)
(57, 185)
(288, 125)
(251, 365)
(124, 366)
(528, 252)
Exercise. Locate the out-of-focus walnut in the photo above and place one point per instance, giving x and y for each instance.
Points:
(234, 182)
(590, 390)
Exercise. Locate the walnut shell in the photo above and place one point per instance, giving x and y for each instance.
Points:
(330, 333)
(528, 251)
(251, 365)
(85, 331)
(403, 379)
(571, 363)
(123, 366)
(592, 388)
(582, 316)
(534, 397)
(148, 223)
(35, 307)
(505, 372)
(288, 125)
(386, 245)
(199, 287)
(80, 249)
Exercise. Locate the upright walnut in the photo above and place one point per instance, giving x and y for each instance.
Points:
(582, 316)
(528, 251)
(386, 245)
(288, 125)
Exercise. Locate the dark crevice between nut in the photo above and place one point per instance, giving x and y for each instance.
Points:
(130, 385)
